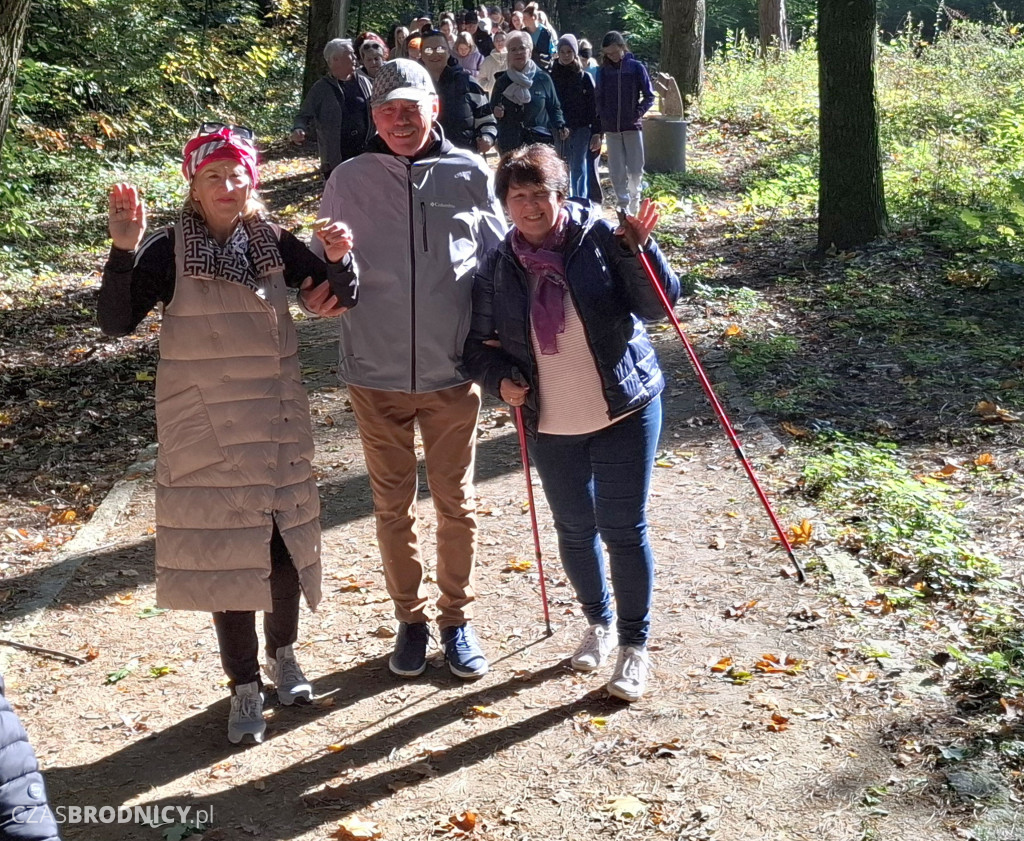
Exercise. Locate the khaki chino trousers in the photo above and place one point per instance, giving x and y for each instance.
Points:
(447, 420)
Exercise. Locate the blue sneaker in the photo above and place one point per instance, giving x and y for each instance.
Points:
(410, 656)
(463, 653)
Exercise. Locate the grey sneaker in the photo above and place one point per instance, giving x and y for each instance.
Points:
(285, 674)
(630, 676)
(246, 716)
(410, 656)
(598, 642)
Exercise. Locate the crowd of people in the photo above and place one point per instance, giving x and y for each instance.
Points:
(546, 313)
(505, 79)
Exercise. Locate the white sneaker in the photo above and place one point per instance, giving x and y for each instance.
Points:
(285, 674)
(246, 716)
(598, 642)
(630, 676)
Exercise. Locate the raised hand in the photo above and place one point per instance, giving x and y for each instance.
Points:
(127, 216)
(336, 238)
(636, 230)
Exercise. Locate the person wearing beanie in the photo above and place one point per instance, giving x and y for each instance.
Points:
(576, 93)
(624, 95)
(237, 508)
(424, 214)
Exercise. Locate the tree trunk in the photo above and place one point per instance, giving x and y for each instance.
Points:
(772, 28)
(682, 45)
(13, 17)
(328, 19)
(851, 197)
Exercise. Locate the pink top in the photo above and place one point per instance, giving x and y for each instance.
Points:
(571, 394)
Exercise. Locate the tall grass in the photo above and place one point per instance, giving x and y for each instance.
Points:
(951, 120)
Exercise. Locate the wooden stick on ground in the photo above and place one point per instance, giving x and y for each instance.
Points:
(74, 658)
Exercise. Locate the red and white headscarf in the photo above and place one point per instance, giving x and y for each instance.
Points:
(222, 145)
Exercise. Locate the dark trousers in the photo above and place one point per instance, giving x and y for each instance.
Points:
(236, 629)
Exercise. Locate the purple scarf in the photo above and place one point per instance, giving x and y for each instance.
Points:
(545, 265)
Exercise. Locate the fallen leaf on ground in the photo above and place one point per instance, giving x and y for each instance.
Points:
(795, 431)
(779, 664)
(993, 413)
(518, 565)
(856, 676)
(481, 711)
(1013, 708)
(984, 460)
(624, 807)
(739, 609)
(779, 723)
(124, 598)
(354, 828)
(337, 747)
(722, 665)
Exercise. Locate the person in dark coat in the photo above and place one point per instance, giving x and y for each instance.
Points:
(576, 93)
(524, 100)
(483, 40)
(465, 116)
(24, 811)
(557, 329)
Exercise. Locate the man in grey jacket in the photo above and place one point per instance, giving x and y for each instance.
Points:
(422, 213)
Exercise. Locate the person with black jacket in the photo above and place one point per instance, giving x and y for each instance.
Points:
(576, 93)
(465, 116)
(524, 100)
(337, 108)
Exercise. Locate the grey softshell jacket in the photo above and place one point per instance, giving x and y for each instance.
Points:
(419, 229)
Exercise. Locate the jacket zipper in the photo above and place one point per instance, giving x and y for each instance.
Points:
(618, 99)
(423, 215)
(412, 283)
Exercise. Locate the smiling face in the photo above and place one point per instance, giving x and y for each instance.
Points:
(434, 54)
(517, 20)
(614, 52)
(499, 42)
(534, 210)
(220, 191)
(404, 124)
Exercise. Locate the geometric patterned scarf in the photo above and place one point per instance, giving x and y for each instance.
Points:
(251, 252)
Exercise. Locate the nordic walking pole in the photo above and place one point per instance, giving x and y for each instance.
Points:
(533, 513)
(723, 419)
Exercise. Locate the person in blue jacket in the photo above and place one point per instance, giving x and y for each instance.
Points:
(557, 329)
(24, 812)
(624, 95)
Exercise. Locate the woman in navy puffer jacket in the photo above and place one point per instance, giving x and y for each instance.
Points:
(557, 330)
(24, 812)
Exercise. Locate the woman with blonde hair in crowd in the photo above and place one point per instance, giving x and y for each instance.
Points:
(495, 63)
(237, 508)
(467, 54)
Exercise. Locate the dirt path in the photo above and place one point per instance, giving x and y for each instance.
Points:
(535, 750)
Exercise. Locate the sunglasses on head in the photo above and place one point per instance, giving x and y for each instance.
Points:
(234, 131)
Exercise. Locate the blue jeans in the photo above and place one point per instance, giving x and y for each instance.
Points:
(573, 150)
(597, 487)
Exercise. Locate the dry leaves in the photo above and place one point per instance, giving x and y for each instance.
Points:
(779, 664)
(739, 610)
(795, 431)
(855, 675)
(518, 565)
(458, 825)
(993, 413)
(481, 711)
(778, 723)
(354, 828)
(624, 807)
